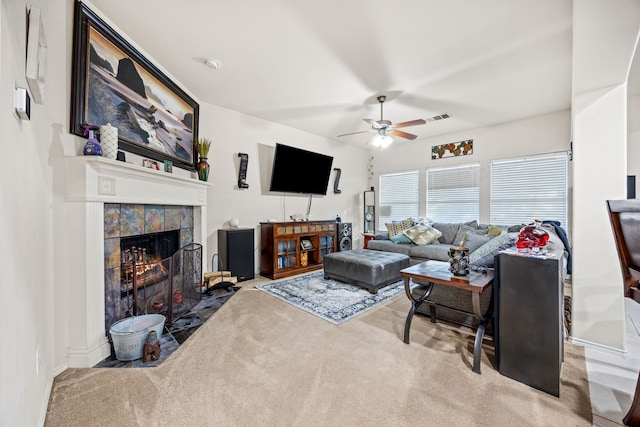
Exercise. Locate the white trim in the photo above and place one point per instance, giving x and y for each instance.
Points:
(595, 346)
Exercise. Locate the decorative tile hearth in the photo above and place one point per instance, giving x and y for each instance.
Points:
(176, 335)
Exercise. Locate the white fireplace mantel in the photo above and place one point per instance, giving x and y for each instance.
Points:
(92, 182)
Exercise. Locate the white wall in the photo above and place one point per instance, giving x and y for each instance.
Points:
(27, 308)
(34, 308)
(548, 133)
(234, 133)
(604, 42)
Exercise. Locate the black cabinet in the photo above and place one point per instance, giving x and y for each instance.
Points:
(529, 329)
(236, 252)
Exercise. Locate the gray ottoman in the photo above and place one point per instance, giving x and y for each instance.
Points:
(369, 269)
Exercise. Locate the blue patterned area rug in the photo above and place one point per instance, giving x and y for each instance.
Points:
(332, 300)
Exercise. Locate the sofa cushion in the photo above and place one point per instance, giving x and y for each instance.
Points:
(397, 227)
(515, 228)
(474, 239)
(389, 246)
(461, 235)
(449, 230)
(484, 255)
(381, 235)
(435, 251)
(422, 234)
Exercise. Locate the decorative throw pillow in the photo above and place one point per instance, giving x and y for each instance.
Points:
(400, 238)
(474, 239)
(494, 230)
(397, 227)
(422, 234)
(419, 220)
(485, 254)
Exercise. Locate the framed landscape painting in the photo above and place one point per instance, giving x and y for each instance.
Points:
(113, 83)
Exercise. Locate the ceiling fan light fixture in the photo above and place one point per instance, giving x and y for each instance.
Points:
(381, 141)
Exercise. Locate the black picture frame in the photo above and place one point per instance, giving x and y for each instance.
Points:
(114, 83)
(306, 244)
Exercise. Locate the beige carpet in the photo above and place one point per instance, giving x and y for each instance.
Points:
(260, 361)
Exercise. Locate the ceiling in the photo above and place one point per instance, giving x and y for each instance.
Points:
(319, 66)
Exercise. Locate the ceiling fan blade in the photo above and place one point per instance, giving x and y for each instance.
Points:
(403, 134)
(410, 123)
(373, 123)
(353, 133)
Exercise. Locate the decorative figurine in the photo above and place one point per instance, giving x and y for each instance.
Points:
(151, 349)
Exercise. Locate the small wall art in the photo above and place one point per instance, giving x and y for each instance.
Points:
(36, 56)
(460, 148)
(151, 164)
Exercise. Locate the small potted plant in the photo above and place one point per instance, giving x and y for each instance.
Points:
(202, 146)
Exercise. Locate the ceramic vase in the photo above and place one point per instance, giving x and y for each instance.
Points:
(203, 169)
(459, 260)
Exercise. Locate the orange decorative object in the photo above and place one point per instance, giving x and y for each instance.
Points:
(367, 238)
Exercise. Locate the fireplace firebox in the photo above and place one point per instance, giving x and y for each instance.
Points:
(153, 284)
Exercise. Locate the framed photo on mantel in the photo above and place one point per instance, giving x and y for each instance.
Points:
(114, 83)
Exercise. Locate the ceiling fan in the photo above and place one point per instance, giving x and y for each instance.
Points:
(384, 128)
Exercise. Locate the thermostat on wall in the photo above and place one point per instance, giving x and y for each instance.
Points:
(22, 103)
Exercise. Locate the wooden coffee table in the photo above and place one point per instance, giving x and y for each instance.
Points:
(429, 273)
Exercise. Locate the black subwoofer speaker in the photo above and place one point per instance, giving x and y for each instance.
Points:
(235, 249)
(345, 236)
(631, 186)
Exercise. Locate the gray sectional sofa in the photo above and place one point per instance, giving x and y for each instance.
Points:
(484, 242)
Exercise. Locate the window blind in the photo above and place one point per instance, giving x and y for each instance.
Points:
(398, 198)
(453, 193)
(525, 189)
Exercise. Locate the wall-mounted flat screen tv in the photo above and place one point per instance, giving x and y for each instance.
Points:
(300, 171)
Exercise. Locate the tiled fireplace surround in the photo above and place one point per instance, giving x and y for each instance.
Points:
(96, 189)
(122, 221)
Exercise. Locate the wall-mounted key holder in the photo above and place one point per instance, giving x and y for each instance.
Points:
(242, 173)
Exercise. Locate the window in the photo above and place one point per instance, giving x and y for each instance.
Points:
(453, 193)
(398, 196)
(530, 188)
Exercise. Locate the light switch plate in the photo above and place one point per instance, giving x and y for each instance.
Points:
(22, 103)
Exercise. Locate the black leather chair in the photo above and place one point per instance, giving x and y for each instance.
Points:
(625, 221)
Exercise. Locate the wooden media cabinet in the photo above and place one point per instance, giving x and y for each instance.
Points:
(290, 248)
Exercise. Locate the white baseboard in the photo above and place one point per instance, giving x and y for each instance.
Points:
(45, 400)
(589, 344)
(87, 358)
